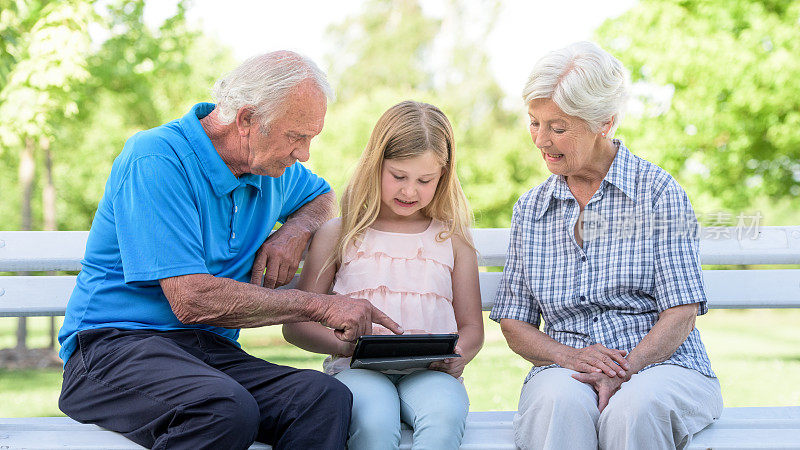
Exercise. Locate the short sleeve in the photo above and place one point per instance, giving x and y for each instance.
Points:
(514, 299)
(300, 186)
(678, 273)
(157, 221)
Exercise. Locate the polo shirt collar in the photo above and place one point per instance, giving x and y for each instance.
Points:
(622, 173)
(219, 175)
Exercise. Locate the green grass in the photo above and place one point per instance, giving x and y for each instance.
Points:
(756, 354)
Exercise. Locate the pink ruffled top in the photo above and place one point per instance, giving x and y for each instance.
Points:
(407, 276)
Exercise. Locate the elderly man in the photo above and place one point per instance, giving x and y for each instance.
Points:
(149, 338)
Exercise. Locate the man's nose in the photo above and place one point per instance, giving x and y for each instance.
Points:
(303, 151)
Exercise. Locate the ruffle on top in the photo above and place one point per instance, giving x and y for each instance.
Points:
(407, 276)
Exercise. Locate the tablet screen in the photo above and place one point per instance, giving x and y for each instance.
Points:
(390, 346)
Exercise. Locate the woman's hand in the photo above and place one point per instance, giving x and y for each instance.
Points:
(596, 358)
(452, 366)
(603, 385)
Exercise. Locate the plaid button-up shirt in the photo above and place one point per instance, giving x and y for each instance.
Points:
(639, 257)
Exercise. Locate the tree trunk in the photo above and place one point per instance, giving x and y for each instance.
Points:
(49, 205)
(26, 174)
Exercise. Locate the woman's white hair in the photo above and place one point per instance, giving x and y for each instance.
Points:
(584, 81)
(264, 82)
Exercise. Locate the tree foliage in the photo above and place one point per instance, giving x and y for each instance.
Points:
(719, 93)
(87, 94)
(392, 51)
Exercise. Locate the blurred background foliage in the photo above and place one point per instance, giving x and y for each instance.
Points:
(716, 98)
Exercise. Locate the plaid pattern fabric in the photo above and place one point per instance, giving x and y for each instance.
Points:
(639, 257)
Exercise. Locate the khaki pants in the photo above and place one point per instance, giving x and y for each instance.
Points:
(659, 408)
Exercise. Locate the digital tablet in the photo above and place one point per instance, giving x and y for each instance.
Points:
(402, 352)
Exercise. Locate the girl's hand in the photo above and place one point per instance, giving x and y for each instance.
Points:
(452, 366)
(383, 331)
(414, 331)
(346, 348)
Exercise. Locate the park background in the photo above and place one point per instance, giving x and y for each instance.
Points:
(716, 102)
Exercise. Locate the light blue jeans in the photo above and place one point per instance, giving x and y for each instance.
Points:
(434, 403)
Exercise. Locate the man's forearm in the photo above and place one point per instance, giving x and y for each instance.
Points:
(314, 213)
(223, 302)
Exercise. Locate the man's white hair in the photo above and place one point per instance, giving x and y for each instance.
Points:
(264, 82)
(584, 81)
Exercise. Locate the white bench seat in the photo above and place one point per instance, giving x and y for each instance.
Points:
(738, 428)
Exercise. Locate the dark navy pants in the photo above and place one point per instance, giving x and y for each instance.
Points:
(193, 389)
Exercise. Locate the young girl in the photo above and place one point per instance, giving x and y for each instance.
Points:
(403, 243)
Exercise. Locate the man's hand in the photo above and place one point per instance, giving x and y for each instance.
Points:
(352, 317)
(596, 359)
(452, 366)
(604, 386)
(280, 254)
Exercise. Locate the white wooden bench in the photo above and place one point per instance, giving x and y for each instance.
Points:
(738, 428)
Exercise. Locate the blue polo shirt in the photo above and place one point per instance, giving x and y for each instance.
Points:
(172, 207)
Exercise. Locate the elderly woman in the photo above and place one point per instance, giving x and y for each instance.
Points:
(605, 251)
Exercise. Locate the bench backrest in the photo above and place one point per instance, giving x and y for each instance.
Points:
(30, 295)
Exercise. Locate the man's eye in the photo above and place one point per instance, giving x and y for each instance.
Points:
(534, 124)
(558, 131)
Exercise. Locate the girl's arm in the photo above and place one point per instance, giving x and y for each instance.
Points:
(467, 306)
(313, 336)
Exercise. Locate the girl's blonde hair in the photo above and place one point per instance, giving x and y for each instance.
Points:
(405, 130)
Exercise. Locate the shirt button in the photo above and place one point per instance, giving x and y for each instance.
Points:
(233, 235)
(235, 208)
(583, 298)
(594, 319)
(583, 258)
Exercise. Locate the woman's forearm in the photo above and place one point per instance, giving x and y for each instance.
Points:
(532, 344)
(669, 332)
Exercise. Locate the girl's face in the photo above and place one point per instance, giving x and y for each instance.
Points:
(408, 185)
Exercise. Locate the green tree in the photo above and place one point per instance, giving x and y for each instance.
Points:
(729, 124)
(67, 104)
(45, 55)
(140, 78)
(391, 51)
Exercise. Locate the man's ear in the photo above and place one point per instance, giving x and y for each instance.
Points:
(244, 120)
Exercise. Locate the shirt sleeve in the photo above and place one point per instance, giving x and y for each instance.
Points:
(514, 300)
(678, 273)
(300, 186)
(157, 221)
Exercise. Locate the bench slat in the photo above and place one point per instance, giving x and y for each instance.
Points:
(35, 296)
(725, 289)
(745, 439)
(752, 288)
(63, 250)
(41, 250)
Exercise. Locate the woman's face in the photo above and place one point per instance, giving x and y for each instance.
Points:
(567, 144)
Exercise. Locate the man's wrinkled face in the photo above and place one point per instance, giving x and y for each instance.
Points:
(288, 137)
